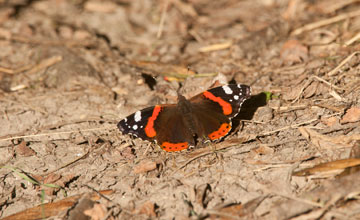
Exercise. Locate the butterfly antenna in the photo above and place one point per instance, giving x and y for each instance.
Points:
(179, 92)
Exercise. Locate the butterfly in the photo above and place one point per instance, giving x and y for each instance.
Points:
(175, 127)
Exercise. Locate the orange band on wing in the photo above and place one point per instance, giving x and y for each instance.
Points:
(226, 107)
(221, 132)
(149, 129)
(170, 147)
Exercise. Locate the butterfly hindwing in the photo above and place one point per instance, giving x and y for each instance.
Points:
(172, 132)
(214, 108)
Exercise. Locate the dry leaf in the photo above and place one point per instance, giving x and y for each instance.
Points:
(81, 35)
(293, 52)
(144, 166)
(128, 153)
(325, 192)
(234, 211)
(4, 33)
(355, 153)
(54, 208)
(5, 13)
(294, 8)
(355, 150)
(52, 177)
(97, 212)
(291, 93)
(202, 195)
(263, 150)
(148, 208)
(186, 8)
(352, 115)
(77, 212)
(329, 166)
(57, 180)
(330, 6)
(311, 89)
(326, 142)
(329, 121)
(23, 150)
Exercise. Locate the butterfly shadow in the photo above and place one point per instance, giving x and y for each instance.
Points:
(248, 109)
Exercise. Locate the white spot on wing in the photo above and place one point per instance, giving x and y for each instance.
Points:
(236, 97)
(227, 90)
(137, 116)
(135, 127)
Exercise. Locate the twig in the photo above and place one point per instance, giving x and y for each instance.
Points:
(223, 146)
(99, 193)
(162, 20)
(309, 81)
(55, 126)
(327, 8)
(327, 83)
(287, 127)
(27, 40)
(45, 63)
(18, 70)
(328, 21)
(334, 71)
(333, 108)
(317, 214)
(214, 47)
(67, 164)
(271, 166)
(316, 204)
(31, 68)
(24, 103)
(147, 149)
(340, 127)
(223, 214)
(352, 40)
(53, 133)
(192, 159)
(289, 108)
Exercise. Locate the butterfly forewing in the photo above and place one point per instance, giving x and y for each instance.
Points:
(135, 123)
(228, 98)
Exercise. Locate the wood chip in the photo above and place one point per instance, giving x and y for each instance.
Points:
(148, 208)
(97, 212)
(100, 6)
(144, 166)
(293, 51)
(23, 150)
(352, 115)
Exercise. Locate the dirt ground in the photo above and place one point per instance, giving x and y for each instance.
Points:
(70, 70)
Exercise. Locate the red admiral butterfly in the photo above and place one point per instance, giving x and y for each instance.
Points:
(176, 127)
